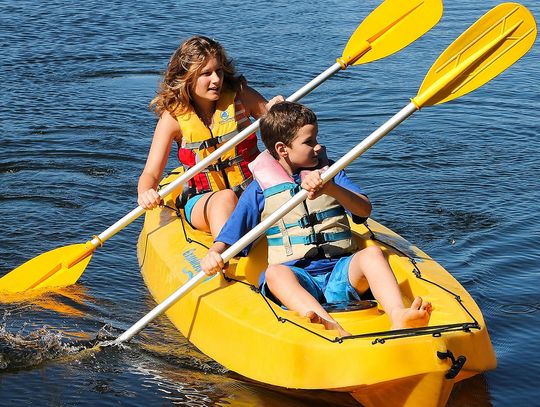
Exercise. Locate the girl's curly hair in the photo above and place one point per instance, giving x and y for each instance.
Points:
(185, 65)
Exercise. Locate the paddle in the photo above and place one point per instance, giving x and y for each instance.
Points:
(387, 29)
(487, 48)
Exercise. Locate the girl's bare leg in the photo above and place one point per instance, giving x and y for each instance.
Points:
(212, 211)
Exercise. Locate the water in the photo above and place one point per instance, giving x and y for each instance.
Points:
(459, 180)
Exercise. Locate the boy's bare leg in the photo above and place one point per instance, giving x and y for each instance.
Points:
(283, 283)
(370, 268)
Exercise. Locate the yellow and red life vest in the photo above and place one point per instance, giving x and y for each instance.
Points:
(199, 141)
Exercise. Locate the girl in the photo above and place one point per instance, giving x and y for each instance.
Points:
(201, 104)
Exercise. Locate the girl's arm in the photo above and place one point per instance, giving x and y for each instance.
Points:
(167, 130)
(255, 104)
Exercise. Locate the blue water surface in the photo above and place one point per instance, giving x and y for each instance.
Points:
(459, 180)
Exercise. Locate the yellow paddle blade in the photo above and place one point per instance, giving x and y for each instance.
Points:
(390, 27)
(497, 40)
(55, 268)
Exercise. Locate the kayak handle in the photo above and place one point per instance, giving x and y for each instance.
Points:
(457, 364)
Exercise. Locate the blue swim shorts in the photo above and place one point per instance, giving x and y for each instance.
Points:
(188, 207)
(331, 287)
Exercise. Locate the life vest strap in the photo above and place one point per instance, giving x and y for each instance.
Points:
(314, 238)
(317, 217)
(189, 192)
(309, 219)
(221, 165)
(226, 163)
(276, 189)
(211, 142)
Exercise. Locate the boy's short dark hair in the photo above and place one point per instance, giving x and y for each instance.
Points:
(282, 123)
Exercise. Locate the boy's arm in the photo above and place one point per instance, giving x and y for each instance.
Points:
(356, 203)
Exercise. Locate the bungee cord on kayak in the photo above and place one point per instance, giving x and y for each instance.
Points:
(435, 330)
(381, 337)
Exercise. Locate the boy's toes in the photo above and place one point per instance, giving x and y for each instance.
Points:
(417, 303)
(313, 317)
(427, 307)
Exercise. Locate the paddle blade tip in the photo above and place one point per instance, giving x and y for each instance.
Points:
(487, 48)
(56, 268)
(392, 26)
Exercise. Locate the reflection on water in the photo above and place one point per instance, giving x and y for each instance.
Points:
(460, 181)
(69, 301)
(472, 392)
(173, 372)
(158, 360)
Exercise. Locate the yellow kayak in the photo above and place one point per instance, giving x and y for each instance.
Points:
(230, 321)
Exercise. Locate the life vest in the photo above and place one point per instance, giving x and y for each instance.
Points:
(314, 228)
(198, 141)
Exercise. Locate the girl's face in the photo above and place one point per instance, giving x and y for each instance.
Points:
(208, 84)
(304, 150)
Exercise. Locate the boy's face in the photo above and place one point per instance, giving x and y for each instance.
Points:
(304, 149)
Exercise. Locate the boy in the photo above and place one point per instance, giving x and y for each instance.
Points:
(312, 255)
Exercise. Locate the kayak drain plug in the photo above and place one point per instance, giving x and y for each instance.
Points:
(457, 364)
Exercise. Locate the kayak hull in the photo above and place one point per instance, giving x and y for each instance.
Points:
(230, 321)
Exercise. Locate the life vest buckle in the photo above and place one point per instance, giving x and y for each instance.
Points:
(226, 163)
(308, 220)
(215, 167)
(316, 239)
(211, 142)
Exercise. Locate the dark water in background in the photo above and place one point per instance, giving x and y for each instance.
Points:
(460, 181)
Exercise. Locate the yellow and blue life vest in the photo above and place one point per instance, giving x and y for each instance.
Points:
(314, 228)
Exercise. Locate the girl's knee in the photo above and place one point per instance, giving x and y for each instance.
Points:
(226, 197)
(221, 204)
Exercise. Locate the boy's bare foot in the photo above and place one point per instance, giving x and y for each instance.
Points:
(416, 316)
(328, 324)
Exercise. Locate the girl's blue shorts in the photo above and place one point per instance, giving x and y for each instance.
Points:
(188, 207)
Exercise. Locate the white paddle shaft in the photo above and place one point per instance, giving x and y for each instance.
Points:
(185, 177)
(253, 234)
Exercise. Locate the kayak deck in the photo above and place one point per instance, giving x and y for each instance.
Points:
(230, 321)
